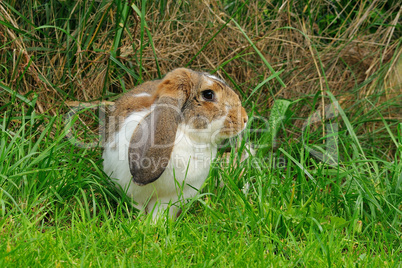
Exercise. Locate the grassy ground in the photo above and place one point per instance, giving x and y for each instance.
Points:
(321, 84)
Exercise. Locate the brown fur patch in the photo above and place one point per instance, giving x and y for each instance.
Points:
(177, 84)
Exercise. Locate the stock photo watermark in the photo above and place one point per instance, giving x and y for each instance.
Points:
(325, 152)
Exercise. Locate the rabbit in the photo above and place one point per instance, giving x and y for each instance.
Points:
(163, 135)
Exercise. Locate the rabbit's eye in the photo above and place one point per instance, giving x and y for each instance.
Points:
(208, 95)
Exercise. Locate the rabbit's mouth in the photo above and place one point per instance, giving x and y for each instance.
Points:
(234, 126)
(230, 133)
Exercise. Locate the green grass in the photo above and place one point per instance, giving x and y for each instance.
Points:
(58, 208)
(281, 207)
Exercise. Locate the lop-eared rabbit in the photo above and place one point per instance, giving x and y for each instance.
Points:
(163, 135)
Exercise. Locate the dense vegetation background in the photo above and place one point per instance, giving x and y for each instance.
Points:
(291, 61)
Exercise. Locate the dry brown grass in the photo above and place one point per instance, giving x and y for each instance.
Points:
(287, 40)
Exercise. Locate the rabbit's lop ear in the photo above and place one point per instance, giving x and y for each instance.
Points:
(152, 142)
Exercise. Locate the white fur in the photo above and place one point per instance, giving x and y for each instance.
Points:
(186, 172)
(208, 81)
(214, 77)
(142, 95)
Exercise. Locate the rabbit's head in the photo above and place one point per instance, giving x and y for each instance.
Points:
(203, 108)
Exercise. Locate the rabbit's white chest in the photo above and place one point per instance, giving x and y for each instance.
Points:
(189, 162)
(186, 172)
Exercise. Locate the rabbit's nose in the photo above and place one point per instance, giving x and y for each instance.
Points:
(245, 119)
(244, 116)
